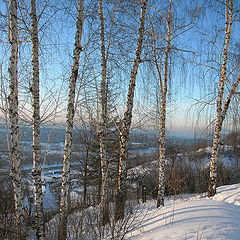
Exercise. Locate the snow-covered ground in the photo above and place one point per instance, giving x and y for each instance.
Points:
(193, 217)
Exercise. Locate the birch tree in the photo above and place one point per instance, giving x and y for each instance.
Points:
(103, 114)
(164, 44)
(163, 82)
(126, 122)
(15, 161)
(62, 228)
(222, 106)
(37, 169)
(103, 108)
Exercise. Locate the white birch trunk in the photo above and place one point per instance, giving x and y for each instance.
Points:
(62, 228)
(126, 122)
(15, 161)
(162, 124)
(36, 172)
(220, 113)
(103, 116)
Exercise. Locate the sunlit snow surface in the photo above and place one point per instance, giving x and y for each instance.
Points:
(193, 217)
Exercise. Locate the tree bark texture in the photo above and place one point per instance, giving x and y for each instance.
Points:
(162, 124)
(220, 113)
(37, 169)
(103, 121)
(15, 160)
(62, 228)
(126, 122)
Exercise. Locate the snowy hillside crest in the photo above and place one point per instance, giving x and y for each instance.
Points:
(194, 217)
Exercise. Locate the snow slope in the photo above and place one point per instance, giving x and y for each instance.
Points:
(193, 217)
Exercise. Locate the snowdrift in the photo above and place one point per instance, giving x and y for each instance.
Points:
(193, 217)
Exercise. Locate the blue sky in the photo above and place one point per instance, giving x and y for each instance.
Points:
(56, 46)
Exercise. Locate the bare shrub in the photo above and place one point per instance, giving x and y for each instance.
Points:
(86, 224)
(7, 212)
